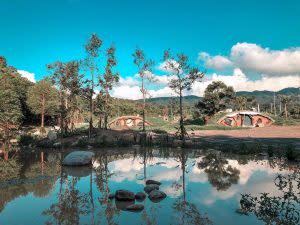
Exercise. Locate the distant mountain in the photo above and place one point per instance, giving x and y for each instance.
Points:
(190, 99)
(262, 97)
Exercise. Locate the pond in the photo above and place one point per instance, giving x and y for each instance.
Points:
(202, 188)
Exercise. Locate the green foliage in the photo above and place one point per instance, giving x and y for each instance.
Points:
(217, 97)
(183, 76)
(26, 140)
(43, 98)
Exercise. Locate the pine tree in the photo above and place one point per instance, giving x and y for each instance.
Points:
(10, 110)
(42, 99)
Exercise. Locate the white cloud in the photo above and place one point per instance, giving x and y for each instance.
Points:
(168, 66)
(252, 57)
(128, 81)
(241, 82)
(215, 62)
(28, 75)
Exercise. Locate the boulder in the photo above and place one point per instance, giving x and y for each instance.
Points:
(122, 205)
(140, 196)
(52, 135)
(156, 196)
(78, 158)
(150, 187)
(135, 207)
(152, 182)
(124, 195)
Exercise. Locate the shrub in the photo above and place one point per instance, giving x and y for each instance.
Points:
(26, 140)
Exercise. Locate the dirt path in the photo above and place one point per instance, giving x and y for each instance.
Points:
(274, 135)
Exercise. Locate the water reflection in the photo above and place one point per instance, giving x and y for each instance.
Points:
(201, 188)
(282, 209)
(220, 174)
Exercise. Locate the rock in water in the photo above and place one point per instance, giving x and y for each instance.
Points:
(156, 196)
(78, 158)
(124, 195)
(122, 205)
(140, 196)
(152, 182)
(135, 207)
(150, 187)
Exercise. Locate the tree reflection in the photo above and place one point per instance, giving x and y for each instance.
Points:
(71, 204)
(219, 173)
(279, 210)
(102, 181)
(186, 212)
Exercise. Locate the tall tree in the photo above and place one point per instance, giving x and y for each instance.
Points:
(240, 102)
(42, 99)
(183, 76)
(217, 97)
(10, 104)
(69, 82)
(144, 66)
(108, 80)
(92, 50)
(10, 110)
(285, 100)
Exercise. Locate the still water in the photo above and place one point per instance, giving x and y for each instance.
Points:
(201, 187)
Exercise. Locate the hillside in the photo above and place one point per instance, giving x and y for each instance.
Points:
(262, 97)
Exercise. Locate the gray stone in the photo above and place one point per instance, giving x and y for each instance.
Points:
(150, 187)
(78, 158)
(152, 182)
(122, 205)
(156, 196)
(52, 135)
(140, 196)
(135, 207)
(124, 195)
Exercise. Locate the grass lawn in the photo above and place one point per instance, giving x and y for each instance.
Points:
(160, 125)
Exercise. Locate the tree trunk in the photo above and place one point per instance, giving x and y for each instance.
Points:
(144, 104)
(106, 109)
(43, 111)
(182, 132)
(91, 100)
(285, 109)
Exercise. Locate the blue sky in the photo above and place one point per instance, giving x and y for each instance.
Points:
(36, 33)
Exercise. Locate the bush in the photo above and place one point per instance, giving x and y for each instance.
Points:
(26, 140)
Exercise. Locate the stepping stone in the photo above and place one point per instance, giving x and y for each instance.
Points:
(150, 187)
(140, 196)
(124, 195)
(156, 196)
